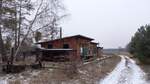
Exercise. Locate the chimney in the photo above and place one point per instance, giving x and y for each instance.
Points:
(60, 32)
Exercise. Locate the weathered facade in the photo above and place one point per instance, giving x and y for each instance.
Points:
(78, 47)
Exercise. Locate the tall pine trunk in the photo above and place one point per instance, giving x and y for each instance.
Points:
(2, 48)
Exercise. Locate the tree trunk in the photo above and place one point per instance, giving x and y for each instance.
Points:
(12, 56)
(15, 46)
(20, 21)
(2, 48)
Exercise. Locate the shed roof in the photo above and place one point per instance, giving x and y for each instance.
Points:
(75, 36)
(94, 43)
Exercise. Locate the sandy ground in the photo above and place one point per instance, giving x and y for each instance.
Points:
(89, 73)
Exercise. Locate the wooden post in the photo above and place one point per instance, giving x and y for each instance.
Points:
(38, 57)
(24, 56)
(12, 56)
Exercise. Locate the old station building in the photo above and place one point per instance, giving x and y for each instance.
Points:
(73, 48)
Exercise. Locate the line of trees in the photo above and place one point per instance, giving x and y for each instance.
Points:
(140, 44)
(22, 20)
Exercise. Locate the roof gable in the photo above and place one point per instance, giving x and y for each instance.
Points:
(75, 36)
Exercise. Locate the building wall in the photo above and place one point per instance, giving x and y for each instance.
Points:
(100, 52)
(87, 48)
(81, 43)
(94, 50)
(74, 43)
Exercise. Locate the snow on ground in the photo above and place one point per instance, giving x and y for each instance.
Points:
(23, 79)
(3, 80)
(126, 72)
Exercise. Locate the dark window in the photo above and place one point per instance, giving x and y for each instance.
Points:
(50, 46)
(66, 46)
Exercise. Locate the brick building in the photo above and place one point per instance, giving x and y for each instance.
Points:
(76, 47)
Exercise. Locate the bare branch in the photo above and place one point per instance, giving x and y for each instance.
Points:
(29, 28)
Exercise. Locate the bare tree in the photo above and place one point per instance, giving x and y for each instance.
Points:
(7, 24)
(40, 15)
(48, 22)
(45, 19)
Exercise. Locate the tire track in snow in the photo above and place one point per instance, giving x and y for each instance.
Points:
(126, 72)
(125, 76)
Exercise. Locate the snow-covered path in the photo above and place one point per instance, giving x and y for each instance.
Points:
(126, 72)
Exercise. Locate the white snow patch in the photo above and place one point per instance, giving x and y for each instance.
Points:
(82, 72)
(23, 79)
(86, 63)
(3, 81)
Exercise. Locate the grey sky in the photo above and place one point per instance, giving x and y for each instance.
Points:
(109, 22)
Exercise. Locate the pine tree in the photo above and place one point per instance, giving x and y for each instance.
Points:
(140, 44)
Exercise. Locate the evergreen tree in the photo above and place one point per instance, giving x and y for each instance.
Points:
(140, 44)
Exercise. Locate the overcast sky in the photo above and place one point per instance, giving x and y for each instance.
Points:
(112, 23)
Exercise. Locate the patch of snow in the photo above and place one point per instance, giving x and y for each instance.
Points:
(35, 73)
(86, 63)
(50, 69)
(23, 79)
(83, 72)
(125, 74)
(3, 81)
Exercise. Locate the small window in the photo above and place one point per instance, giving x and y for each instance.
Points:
(66, 46)
(50, 46)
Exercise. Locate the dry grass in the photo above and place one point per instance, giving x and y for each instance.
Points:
(95, 71)
(71, 74)
(145, 68)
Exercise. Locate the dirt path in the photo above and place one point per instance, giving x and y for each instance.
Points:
(126, 72)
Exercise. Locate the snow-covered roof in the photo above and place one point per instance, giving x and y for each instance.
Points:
(56, 49)
(77, 36)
